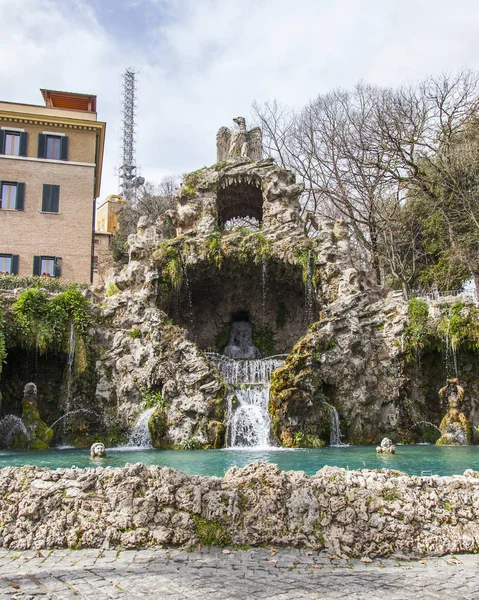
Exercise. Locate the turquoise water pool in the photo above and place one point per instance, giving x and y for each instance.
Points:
(410, 459)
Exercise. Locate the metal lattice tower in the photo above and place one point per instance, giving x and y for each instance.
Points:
(127, 171)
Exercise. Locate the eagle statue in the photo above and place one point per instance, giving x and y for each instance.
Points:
(238, 142)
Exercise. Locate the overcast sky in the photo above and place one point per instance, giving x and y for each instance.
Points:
(202, 62)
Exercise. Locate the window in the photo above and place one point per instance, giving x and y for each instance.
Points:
(47, 266)
(8, 264)
(11, 195)
(54, 147)
(51, 198)
(13, 143)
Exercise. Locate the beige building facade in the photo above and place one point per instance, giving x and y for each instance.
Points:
(50, 170)
(106, 226)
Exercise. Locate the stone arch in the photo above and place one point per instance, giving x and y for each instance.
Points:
(238, 200)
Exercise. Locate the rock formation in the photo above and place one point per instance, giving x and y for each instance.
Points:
(455, 428)
(386, 447)
(235, 249)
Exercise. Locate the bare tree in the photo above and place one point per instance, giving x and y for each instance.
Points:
(152, 200)
(363, 155)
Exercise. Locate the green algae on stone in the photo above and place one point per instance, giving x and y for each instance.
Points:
(40, 434)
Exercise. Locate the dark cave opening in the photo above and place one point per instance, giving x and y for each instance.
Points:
(271, 298)
(239, 200)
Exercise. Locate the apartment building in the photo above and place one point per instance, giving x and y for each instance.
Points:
(50, 171)
(106, 226)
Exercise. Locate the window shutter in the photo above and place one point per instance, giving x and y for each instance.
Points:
(2, 141)
(42, 145)
(15, 258)
(64, 148)
(37, 263)
(55, 198)
(23, 143)
(20, 196)
(46, 198)
(57, 266)
(51, 198)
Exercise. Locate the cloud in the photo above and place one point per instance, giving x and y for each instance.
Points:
(203, 62)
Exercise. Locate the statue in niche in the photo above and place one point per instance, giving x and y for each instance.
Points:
(239, 142)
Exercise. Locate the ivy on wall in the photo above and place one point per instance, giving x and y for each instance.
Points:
(43, 322)
(458, 327)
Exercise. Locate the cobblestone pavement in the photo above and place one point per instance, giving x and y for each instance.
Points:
(231, 575)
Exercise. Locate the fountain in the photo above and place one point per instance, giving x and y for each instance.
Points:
(335, 436)
(455, 428)
(71, 358)
(140, 436)
(249, 377)
(10, 427)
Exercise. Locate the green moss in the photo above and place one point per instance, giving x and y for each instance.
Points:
(214, 250)
(168, 255)
(263, 339)
(112, 289)
(217, 433)
(222, 339)
(389, 495)
(40, 434)
(134, 333)
(158, 427)
(211, 533)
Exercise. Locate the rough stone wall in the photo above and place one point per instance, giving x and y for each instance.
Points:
(350, 357)
(198, 208)
(352, 513)
(143, 351)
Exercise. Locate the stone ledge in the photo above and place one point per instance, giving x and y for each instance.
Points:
(352, 513)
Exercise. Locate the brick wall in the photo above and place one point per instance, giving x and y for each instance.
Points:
(66, 234)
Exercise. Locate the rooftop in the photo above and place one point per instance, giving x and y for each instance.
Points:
(69, 100)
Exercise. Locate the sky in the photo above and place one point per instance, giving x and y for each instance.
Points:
(202, 62)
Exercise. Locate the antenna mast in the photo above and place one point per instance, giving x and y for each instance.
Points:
(127, 172)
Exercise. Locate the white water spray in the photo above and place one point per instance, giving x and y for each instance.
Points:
(248, 418)
(335, 436)
(140, 436)
(71, 358)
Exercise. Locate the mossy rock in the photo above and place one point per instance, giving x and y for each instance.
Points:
(158, 427)
(216, 433)
(40, 434)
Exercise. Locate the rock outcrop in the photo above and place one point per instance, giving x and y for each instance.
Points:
(353, 513)
(147, 361)
(455, 428)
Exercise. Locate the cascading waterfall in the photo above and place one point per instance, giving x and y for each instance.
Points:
(450, 358)
(335, 437)
(249, 377)
(140, 436)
